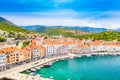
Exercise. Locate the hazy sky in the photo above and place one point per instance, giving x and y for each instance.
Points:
(93, 13)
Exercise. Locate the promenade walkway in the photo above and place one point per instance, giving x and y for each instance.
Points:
(15, 72)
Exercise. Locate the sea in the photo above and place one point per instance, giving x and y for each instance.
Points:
(84, 68)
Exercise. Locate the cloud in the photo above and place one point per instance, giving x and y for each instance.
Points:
(108, 19)
(65, 21)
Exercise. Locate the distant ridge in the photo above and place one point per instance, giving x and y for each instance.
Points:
(81, 28)
(56, 30)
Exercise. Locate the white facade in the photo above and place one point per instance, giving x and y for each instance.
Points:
(98, 48)
(56, 49)
(49, 49)
(93, 48)
(34, 53)
(2, 59)
(70, 46)
(101, 48)
(83, 50)
(112, 48)
(64, 49)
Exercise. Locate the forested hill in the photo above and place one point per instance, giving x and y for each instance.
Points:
(107, 36)
(57, 31)
(11, 28)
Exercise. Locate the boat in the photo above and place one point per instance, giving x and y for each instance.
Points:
(32, 73)
(71, 57)
(28, 71)
(33, 69)
(47, 65)
(37, 67)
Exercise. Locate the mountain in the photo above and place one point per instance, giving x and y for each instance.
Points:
(55, 30)
(34, 27)
(8, 26)
(6, 21)
(89, 29)
(64, 31)
(86, 29)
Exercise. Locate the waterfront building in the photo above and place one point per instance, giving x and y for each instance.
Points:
(56, 46)
(42, 51)
(34, 51)
(81, 49)
(49, 49)
(63, 49)
(2, 60)
(70, 42)
(117, 46)
(97, 46)
(112, 47)
(11, 56)
(24, 55)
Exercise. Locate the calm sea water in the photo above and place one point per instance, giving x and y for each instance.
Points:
(85, 68)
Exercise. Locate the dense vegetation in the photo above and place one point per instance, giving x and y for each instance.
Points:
(81, 28)
(25, 43)
(2, 39)
(11, 28)
(107, 36)
(57, 31)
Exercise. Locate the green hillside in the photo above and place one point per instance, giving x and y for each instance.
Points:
(107, 36)
(11, 28)
(57, 31)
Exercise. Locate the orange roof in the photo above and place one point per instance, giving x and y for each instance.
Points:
(11, 49)
(112, 44)
(1, 52)
(24, 50)
(32, 45)
(97, 42)
(42, 48)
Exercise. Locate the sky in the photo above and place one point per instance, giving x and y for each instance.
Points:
(92, 13)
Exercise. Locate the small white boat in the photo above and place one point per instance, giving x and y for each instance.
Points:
(28, 71)
(37, 67)
(71, 57)
(31, 73)
(33, 69)
(47, 64)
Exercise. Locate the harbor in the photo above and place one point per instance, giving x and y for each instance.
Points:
(85, 68)
(32, 67)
